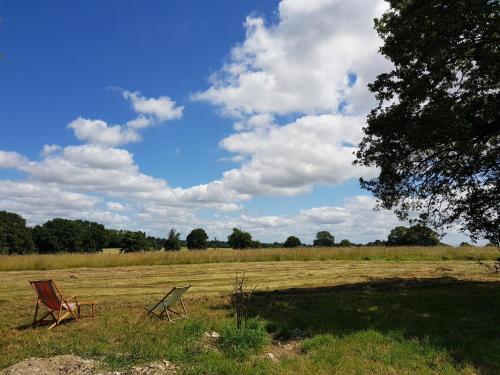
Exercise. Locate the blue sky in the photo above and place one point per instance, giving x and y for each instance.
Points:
(182, 114)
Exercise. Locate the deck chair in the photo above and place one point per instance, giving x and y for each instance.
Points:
(57, 306)
(163, 307)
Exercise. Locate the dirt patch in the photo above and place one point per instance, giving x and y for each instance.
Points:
(59, 365)
(73, 365)
(278, 350)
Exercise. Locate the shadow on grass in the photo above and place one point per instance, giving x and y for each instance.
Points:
(462, 317)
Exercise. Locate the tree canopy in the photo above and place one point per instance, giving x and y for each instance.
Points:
(416, 235)
(173, 243)
(435, 134)
(134, 241)
(324, 238)
(345, 243)
(63, 235)
(292, 241)
(239, 239)
(15, 237)
(197, 239)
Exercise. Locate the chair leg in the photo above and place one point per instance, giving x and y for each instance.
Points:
(184, 308)
(168, 315)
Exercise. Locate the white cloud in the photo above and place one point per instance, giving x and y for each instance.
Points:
(115, 206)
(151, 111)
(99, 132)
(313, 65)
(301, 63)
(10, 159)
(161, 109)
(291, 159)
(49, 149)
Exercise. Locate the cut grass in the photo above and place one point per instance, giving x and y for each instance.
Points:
(377, 317)
(109, 259)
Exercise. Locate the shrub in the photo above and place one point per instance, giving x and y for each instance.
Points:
(240, 342)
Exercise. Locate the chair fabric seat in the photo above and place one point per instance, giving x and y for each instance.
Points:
(71, 306)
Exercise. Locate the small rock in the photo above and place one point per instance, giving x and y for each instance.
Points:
(272, 357)
(213, 334)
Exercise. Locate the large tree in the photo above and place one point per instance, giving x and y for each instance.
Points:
(416, 235)
(292, 241)
(239, 239)
(197, 239)
(134, 242)
(435, 134)
(15, 236)
(173, 242)
(324, 238)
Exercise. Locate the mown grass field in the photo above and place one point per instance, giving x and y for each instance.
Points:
(379, 316)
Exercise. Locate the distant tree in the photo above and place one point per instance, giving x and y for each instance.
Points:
(57, 236)
(197, 239)
(397, 236)
(115, 237)
(257, 244)
(345, 243)
(292, 241)
(324, 238)
(15, 236)
(63, 235)
(154, 243)
(94, 236)
(134, 241)
(173, 243)
(416, 235)
(466, 244)
(239, 239)
(376, 243)
(435, 133)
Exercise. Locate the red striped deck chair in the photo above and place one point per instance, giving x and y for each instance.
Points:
(57, 306)
(164, 306)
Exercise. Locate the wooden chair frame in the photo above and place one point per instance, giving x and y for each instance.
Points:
(166, 309)
(64, 310)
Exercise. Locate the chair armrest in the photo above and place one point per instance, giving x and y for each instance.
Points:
(72, 297)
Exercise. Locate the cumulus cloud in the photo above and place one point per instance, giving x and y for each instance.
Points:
(9, 159)
(291, 159)
(99, 132)
(160, 109)
(313, 65)
(151, 111)
(49, 149)
(115, 206)
(303, 62)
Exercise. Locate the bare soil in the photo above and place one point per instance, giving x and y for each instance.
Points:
(73, 365)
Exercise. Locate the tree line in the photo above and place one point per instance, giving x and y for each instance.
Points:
(82, 236)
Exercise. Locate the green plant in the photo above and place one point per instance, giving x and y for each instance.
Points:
(250, 338)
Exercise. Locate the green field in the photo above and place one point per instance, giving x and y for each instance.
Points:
(351, 311)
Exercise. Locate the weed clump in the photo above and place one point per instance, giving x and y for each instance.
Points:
(239, 343)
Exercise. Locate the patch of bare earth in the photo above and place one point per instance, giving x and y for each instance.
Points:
(73, 365)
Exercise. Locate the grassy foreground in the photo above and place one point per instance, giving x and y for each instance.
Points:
(352, 317)
(111, 259)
